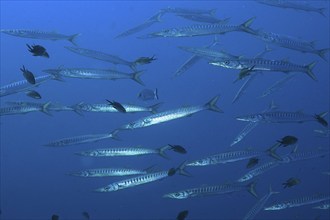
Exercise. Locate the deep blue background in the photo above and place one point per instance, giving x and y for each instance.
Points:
(33, 180)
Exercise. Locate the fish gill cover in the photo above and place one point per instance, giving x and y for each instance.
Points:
(235, 79)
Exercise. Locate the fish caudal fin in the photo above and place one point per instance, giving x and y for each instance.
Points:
(211, 105)
(154, 108)
(136, 77)
(182, 171)
(322, 53)
(246, 26)
(161, 151)
(309, 72)
(321, 11)
(251, 188)
(73, 38)
(272, 151)
(320, 119)
(44, 108)
(114, 135)
(156, 94)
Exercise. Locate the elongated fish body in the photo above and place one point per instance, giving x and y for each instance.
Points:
(23, 85)
(261, 64)
(152, 20)
(135, 181)
(171, 115)
(278, 117)
(35, 34)
(102, 56)
(278, 85)
(226, 157)
(292, 5)
(191, 11)
(246, 130)
(50, 106)
(203, 29)
(259, 205)
(306, 200)
(298, 156)
(323, 206)
(211, 190)
(208, 53)
(105, 172)
(291, 43)
(79, 140)
(115, 152)
(259, 170)
(244, 87)
(104, 107)
(23, 109)
(84, 73)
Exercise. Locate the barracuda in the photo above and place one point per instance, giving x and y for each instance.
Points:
(36, 34)
(125, 151)
(212, 190)
(203, 29)
(260, 64)
(306, 200)
(171, 115)
(23, 109)
(284, 117)
(105, 172)
(135, 181)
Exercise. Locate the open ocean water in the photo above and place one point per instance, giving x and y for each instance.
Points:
(34, 178)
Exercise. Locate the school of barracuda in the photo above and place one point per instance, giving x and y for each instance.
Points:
(249, 69)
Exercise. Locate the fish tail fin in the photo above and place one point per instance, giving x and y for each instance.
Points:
(213, 12)
(271, 192)
(136, 77)
(76, 108)
(272, 151)
(181, 169)
(73, 38)
(154, 108)
(156, 94)
(246, 26)
(44, 108)
(114, 135)
(211, 105)
(321, 11)
(251, 188)
(322, 53)
(161, 151)
(309, 69)
(320, 118)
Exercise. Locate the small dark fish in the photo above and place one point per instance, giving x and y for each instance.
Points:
(287, 140)
(178, 148)
(171, 172)
(321, 120)
(117, 106)
(86, 215)
(55, 217)
(38, 50)
(28, 75)
(182, 215)
(144, 60)
(33, 94)
(252, 162)
(148, 94)
(291, 182)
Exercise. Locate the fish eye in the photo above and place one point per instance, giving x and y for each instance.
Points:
(227, 62)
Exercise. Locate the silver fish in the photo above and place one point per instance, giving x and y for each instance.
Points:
(204, 18)
(135, 181)
(278, 85)
(148, 94)
(322, 133)
(212, 190)
(172, 115)
(259, 205)
(104, 107)
(203, 29)
(292, 5)
(81, 139)
(84, 73)
(23, 109)
(105, 172)
(36, 34)
(209, 54)
(292, 43)
(24, 85)
(260, 64)
(306, 200)
(243, 88)
(284, 117)
(125, 151)
(323, 206)
(259, 170)
(102, 56)
(152, 20)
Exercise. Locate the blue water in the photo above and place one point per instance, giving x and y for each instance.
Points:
(34, 184)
